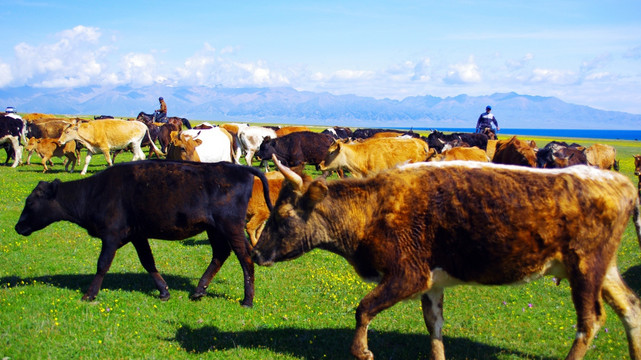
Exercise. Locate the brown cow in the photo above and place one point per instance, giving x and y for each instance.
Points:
(233, 129)
(257, 210)
(48, 148)
(423, 227)
(602, 156)
(369, 156)
(514, 151)
(460, 153)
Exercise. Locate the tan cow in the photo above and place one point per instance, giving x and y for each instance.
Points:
(285, 130)
(257, 210)
(363, 158)
(48, 148)
(103, 136)
(602, 156)
(460, 153)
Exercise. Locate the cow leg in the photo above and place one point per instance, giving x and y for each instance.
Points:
(147, 261)
(586, 295)
(627, 306)
(106, 152)
(388, 292)
(87, 160)
(432, 303)
(44, 163)
(242, 249)
(249, 156)
(107, 253)
(220, 251)
(138, 153)
(17, 149)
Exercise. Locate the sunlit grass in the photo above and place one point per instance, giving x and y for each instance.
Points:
(303, 309)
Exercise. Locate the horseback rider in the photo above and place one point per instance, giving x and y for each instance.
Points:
(484, 123)
(160, 115)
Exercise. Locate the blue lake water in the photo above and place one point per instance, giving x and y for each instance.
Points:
(564, 133)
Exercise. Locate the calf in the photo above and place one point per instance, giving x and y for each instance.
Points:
(423, 227)
(154, 199)
(48, 148)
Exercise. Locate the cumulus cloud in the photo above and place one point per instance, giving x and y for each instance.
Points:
(70, 61)
(551, 76)
(463, 73)
(516, 64)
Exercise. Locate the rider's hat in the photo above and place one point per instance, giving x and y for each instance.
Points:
(488, 107)
(160, 98)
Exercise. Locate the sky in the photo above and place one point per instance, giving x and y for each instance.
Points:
(583, 52)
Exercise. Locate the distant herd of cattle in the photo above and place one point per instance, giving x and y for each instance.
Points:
(417, 215)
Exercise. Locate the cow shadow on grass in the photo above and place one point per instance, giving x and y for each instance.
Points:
(632, 277)
(334, 343)
(134, 282)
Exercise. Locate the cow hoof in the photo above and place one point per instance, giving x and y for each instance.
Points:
(197, 296)
(88, 297)
(247, 305)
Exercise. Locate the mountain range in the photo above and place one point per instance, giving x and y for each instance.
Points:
(290, 106)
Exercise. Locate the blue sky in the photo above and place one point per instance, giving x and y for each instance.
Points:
(583, 52)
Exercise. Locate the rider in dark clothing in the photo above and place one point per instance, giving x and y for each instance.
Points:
(485, 121)
(160, 115)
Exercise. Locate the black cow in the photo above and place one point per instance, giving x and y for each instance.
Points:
(338, 132)
(555, 154)
(368, 133)
(103, 117)
(296, 148)
(132, 202)
(437, 139)
(11, 129)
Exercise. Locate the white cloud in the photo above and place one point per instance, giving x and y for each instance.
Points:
(5, 74)
(138, 70)
(551, 76)
(463, 73)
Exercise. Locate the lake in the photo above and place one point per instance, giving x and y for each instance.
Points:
(562, 133)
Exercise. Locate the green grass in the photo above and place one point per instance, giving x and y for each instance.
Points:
(303, 309)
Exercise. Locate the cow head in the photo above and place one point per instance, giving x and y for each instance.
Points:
(331, 161)
(183, 147)
(41, 208)
(290, 230)
(70, 132)
(267, 148)
(31, 144)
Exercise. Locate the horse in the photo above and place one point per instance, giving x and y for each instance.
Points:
(149, 118)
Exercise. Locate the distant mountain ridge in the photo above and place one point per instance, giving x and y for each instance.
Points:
(289, 106)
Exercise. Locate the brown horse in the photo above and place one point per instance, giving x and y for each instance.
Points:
(149, 118)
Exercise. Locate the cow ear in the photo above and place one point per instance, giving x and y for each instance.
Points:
(316, 192)
(51, 190)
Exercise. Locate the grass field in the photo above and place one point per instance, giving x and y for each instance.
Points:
(303, 309)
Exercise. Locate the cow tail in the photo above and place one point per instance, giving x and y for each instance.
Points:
(637, 219)
(153, 146)
(258, 173)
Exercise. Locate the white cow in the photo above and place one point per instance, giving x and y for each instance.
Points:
(250, 139)
(102, 136)
(204, 145)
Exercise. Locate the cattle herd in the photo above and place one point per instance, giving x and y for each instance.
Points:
(414, 214)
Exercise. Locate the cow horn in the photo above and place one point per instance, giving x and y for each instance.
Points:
(288, 173)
